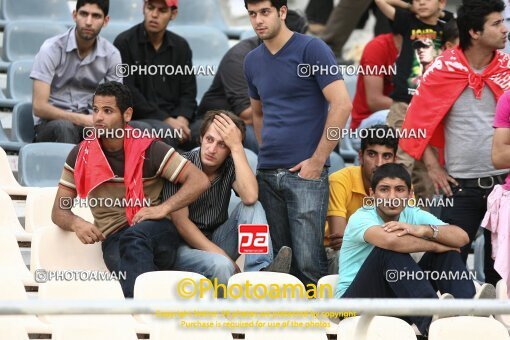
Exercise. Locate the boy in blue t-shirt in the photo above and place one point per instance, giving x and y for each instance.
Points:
(375, 260)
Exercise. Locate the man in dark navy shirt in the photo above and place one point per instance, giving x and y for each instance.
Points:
(162, 101)
(294, 105)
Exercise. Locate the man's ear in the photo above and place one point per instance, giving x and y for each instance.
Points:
(283, 12)
(360, 157)
(174, 14)
(75, 15)
(106, 21)
(128, 114)
(370, 192)
(474, 34)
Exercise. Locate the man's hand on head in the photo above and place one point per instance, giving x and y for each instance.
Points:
(87, 232)
(228, 130)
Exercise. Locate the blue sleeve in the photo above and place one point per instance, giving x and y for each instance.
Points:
(423, 217)
(252, 90)
(318, 53)
(360, 222)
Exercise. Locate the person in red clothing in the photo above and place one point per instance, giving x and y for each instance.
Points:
(380, 53)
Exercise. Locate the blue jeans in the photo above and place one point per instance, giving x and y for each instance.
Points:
(213, 265)
(379, 277)
(296, 212)
(147, 246)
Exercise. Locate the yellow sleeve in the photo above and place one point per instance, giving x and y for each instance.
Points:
(340, 193)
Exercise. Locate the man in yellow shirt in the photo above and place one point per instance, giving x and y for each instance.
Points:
(348, 186)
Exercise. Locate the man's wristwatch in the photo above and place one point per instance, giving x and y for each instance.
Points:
(435, 231)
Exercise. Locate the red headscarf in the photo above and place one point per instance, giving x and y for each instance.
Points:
(441, 85)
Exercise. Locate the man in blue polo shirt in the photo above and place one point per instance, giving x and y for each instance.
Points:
(299, 106)
(375, 260)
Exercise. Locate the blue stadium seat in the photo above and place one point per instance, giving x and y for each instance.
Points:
(113, 29)
(205, 12)
(23, 123)
(127, 11)
(23, 39)
(52, 10)
(208, 44)
(346, 149)
(247, 34)
(350, 83)
(336, 162)
(6, 143)
(19, 84)
(5, 102)
(41, 164)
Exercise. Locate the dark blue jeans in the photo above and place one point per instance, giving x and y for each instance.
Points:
(145, 247)
(376, 279)
(467, 211)
(296, 212)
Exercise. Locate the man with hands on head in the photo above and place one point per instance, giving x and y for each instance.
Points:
(375, 260)
(210, 235)
(129, 172)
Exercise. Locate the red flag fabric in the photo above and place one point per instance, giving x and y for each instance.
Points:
(92, 169)
(441, 85)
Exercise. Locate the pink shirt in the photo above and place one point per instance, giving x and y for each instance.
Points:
(502, 120)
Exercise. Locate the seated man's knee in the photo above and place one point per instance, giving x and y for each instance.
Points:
(221, 268)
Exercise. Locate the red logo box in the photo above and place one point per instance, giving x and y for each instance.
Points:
(253, 239)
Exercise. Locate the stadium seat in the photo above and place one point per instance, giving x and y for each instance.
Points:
(23, 123)
(38, 208)
(12, 330)
(247, 34)
(252, 159)
(205, 12)
(208, 44)
(336, 161)
(41, 164)
(502, 294)
(467, 328)
(12, 289)
(7, 181)
(350, 83)
(346, 149)
(330, 281)
(126, 11)
(113, 29)
(86, 290)
(24, 38)
(4, 101)
(203, 84)
(287, 282)
(11, 261)
(19, 84)
(105, 328)
(279, 334)
(234, 201)
(9, 220)
(52, 10)
(57, 249)
(6, 143)
(163, 286)
(375, 327)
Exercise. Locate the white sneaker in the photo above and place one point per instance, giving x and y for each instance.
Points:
(487, 291)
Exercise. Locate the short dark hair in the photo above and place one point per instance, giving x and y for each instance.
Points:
(379, 134)
(390, 170)
(209, 118)
(450, 31)
(275, 3)
(104, 5)
(118, 90)
(472, 15)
